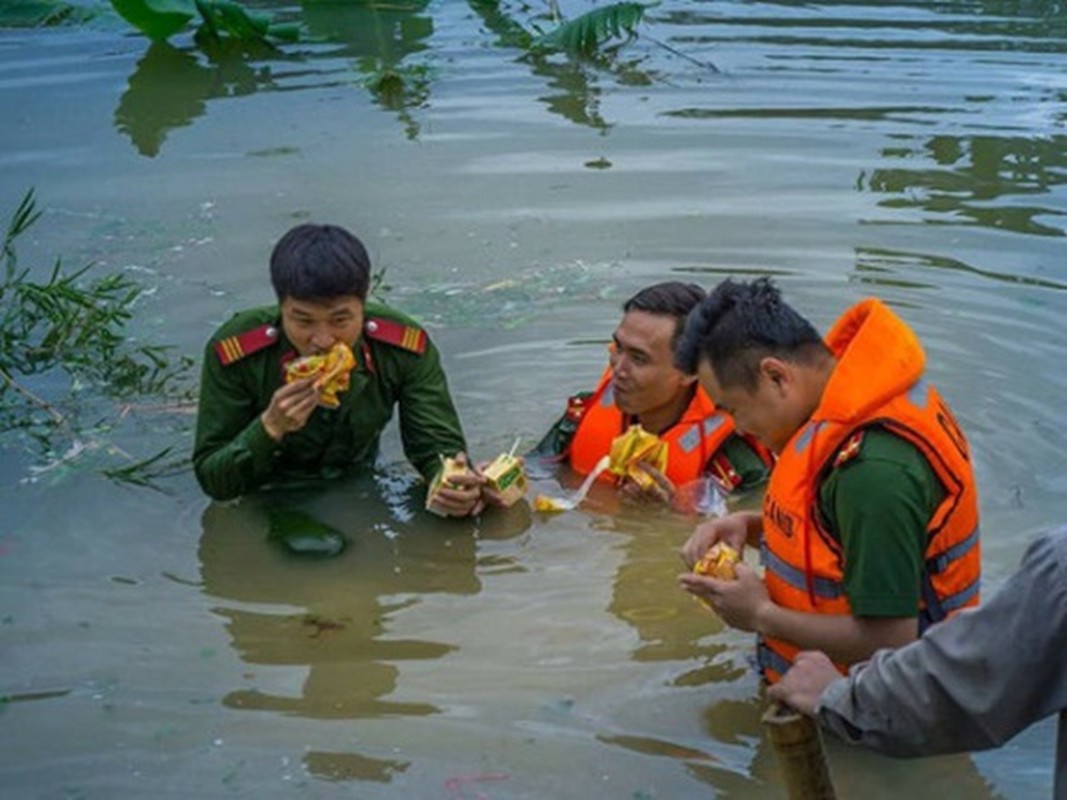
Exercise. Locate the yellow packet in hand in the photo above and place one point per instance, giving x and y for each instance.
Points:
(637, 446)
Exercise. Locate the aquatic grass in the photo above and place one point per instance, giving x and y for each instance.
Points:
(68, 372)
(43, 14)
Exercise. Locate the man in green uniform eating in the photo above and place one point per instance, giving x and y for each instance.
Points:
(255, 429)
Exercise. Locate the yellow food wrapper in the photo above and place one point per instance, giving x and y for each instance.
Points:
(634, 447)
(332, 371)
(507, 476)
(450, 468)
(545, 503)
(718, 563)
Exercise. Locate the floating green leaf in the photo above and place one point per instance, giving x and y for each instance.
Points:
(156, 19)
(161, 19)
(585, 35)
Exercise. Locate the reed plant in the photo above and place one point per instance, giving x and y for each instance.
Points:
(69, 370)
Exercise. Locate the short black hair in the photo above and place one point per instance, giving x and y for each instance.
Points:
(319, 262)
(738, 325)
(668, 299)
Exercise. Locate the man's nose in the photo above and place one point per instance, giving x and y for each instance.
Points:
(322, 339)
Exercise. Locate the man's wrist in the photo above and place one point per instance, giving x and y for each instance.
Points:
(764, 618)
(275, 434)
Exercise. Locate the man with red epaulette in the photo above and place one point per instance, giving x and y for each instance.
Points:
(254, 429)
(642, 385)
(869, 529)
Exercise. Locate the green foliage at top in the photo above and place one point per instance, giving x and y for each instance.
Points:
(64, 349)
(587, 34)
(161, 19)
(156, 19)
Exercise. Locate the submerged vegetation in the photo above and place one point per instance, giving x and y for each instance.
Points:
(68, 373)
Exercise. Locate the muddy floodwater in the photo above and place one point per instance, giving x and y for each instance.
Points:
(156, 644)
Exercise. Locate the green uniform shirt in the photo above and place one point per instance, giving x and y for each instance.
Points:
(878, 504)
(234, 454)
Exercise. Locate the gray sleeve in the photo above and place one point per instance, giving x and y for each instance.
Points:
(969, 683)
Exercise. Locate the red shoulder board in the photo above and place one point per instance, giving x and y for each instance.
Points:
(577, 406)
(723, 473)
(407, 337)
(849, 450)
(368, 359)
(234, 348)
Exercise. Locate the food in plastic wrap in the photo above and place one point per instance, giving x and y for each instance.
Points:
(332, 371)
(637, 446)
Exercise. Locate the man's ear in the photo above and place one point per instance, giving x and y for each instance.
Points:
(688, 380)
(776, 371)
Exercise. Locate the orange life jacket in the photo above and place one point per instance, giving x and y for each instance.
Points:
(693, 442)
(877, 381)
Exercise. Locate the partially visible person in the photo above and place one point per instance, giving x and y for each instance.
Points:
(869, 527)
(971, 683)
(255, 430)
(642, 385)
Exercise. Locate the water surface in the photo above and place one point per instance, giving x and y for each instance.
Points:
(159, 645)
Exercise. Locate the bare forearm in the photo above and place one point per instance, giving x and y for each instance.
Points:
(846, 639)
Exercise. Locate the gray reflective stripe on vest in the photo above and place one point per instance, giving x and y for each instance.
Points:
(690, 440)
(608, 396)
(941, 561)
(768, 659)
(960, 598)
(937, 608)
(824, 587)
(805, 436)
(714, 422)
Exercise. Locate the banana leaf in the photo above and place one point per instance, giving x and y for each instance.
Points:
(156, 19)
(586, 34)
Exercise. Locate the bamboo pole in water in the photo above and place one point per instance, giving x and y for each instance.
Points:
(801, 758)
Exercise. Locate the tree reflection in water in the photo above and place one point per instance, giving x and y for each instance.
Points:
(170, 87)
(977, 180)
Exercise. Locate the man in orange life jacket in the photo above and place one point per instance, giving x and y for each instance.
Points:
(642, 385)
(869, 529)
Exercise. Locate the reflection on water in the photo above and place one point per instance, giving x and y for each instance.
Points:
(379, 38)
(880, 267)
(327, 621)
(913, 150)
(170, 88)
(977, 180)
(645, 595)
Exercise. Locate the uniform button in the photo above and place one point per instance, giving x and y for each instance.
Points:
(271, 332)
(372, 326)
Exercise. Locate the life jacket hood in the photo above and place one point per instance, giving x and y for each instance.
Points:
(869, 334)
